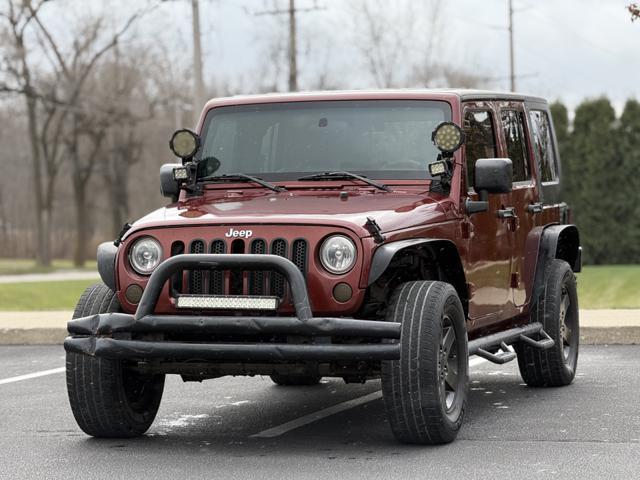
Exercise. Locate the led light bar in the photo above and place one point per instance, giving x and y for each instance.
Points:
(226, 302)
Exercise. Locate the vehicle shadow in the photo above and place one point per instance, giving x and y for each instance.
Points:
(500, 406)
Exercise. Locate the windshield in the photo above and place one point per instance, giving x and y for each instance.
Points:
(383, 139)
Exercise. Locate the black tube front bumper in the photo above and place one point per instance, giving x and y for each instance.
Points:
(119, 335)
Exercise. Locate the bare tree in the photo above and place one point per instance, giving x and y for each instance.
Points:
(74, 68)
(19, 79)
(4, 227)
(460, 78)
(383, 37)
(427, 68)
(126, 89)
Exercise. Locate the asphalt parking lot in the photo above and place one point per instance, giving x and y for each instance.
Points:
(237, 428)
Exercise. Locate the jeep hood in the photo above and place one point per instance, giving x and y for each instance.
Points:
(392, 211)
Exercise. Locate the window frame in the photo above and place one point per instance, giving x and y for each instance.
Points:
(526, 132)
(552, 134)
(488, 108)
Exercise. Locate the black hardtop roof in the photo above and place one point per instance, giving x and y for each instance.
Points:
(471, 94)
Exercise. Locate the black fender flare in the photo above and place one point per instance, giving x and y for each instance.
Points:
(444, 251)
(106, 258)
(557, 241)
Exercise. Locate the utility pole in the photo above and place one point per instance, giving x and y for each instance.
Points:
(293, 51)
(293, 40)
(512, 68)
(198, 81)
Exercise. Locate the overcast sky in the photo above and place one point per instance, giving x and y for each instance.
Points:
(566, 49)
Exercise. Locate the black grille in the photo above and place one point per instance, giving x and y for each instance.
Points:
(299, 255)
(219, 282)
(256, 279)
(216, 277)
(196, 277)
(277, 281)
(177, 248)
(236, 276)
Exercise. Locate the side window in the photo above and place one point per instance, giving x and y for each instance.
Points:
(480, 139)
(544, 146)
(513, 125)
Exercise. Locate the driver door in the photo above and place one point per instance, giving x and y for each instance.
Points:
(489, 237)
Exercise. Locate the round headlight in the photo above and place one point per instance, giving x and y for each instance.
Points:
(145, 255)
(338, 254)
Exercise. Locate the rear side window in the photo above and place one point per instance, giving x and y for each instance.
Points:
(544, 146)
(513, 126)
(480, 139)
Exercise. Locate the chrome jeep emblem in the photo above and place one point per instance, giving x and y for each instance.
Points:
(232, 233)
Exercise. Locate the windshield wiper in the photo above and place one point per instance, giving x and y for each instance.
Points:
(241, 177)
(344, 175)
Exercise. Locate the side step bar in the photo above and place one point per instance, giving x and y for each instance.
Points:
(481, 346)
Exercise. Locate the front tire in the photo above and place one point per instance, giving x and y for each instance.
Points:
(425, 391)
(557, 309)
(108, 399)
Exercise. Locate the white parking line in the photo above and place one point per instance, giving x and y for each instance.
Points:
(476, 361)
(325, 412)
(320, 414)
(28, 376)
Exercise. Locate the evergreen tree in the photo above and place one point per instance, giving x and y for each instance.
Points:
(560, 117)
(627, 194)
(595, 174)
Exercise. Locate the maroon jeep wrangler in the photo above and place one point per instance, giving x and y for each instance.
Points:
(361, 235)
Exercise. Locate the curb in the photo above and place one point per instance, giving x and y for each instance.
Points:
(610, 335)
(56, 336)
(32, 336)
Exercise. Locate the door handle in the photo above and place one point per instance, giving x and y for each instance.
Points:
(535, 208)
(509, 212)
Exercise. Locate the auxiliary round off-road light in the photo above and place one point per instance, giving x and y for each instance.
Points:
(342, 292)
(133, 294)
(184, 143)
(448, 137)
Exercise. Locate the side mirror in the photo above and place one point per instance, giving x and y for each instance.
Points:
(491, 175)
(169, 185)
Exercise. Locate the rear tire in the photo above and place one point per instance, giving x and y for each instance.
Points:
(107, 398)
(295, 380)
(425, 391)
(557, 310)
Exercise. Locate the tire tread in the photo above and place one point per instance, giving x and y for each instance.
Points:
(97, 400)
(414, 412)
(547, 368)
